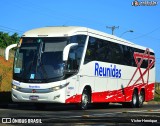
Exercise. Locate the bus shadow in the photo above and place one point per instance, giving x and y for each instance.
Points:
(6, 102)
(59, 107)
(5, 99)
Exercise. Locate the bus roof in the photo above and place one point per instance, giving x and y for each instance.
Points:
(64, 31)
(58, 31)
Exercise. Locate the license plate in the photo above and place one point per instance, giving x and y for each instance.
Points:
(33, 97)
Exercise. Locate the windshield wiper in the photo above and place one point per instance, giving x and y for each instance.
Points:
(45, 73)
(39, 55)
(30, 66)
(39, 61)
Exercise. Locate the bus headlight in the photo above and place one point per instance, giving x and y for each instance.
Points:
(15, 87)
(59, 87)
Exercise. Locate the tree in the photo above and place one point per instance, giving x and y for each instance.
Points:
(6, 39)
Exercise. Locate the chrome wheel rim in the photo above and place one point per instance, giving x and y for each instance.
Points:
(141, 99)
(84, 101)
(134, 99)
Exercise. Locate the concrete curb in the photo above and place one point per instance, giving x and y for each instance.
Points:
(151, 103)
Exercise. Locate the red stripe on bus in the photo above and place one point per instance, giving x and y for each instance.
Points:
(121, 95)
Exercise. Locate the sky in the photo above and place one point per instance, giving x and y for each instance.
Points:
(22, 15)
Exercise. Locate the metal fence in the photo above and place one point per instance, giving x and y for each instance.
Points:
(1, 52)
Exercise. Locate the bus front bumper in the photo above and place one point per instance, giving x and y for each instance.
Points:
(51, 97)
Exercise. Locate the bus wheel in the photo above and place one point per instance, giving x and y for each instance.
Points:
(85, 100)
(141, 99)
(135, 100)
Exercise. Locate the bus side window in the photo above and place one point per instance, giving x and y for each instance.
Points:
(72, 62)
(90, 52)
(116, 53)
(74, 59)
(100, 51)
(128, 56)
(75, 54)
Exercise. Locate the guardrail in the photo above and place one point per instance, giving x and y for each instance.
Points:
(157, 86)
(11, 54)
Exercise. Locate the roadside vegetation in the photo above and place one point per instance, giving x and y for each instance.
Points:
(5, 74)
(6, 66)
(157, 92)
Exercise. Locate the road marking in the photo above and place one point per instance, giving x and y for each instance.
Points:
(144, 111)
(103, 114)
(106, 114)
(113, 113)
(157, 110)
(87, 115)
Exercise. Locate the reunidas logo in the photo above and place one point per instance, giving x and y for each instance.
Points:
(111, 71)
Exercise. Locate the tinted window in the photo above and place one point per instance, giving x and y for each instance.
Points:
(91, 48)
(105, 51)
(75, 54)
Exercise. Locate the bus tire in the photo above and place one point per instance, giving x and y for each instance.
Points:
(141, 99)
(85, 100)
(135, 100)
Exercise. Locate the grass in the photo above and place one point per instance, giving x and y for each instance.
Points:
(5, 74)
(157, 92)
(6, 71)
(5, 80)
(157, 95)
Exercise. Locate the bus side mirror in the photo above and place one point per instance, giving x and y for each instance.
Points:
(6, 54)
(66, 50)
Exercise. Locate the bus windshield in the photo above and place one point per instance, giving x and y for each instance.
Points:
(40, 60)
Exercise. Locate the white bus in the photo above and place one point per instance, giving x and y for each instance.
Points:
(81, 65)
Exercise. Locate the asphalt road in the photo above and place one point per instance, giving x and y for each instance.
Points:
(113, 114)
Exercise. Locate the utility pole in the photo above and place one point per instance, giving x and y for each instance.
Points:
(113, 28)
